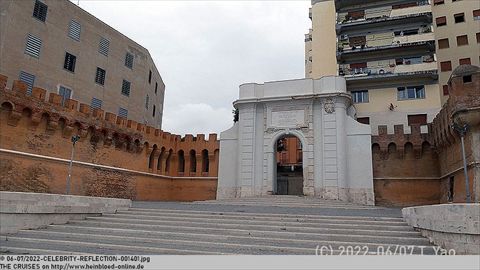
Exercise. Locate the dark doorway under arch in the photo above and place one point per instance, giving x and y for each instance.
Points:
(289, 161)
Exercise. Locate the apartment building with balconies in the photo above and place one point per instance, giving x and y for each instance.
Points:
(457, 35)
(386, 49)
(56, 45)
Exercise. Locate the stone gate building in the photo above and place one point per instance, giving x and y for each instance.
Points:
(337, 160)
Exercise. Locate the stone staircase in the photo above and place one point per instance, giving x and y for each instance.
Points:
(263, 225)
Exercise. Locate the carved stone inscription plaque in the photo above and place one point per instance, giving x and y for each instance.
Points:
(288, 119)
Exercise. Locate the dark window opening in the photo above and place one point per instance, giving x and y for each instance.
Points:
(467, 79)
(445, 90)
(153, 113)
(364, 120)
(126, 88)
(156, 87)
(129, 60)
(464, 61)
(150, 76)
(100, 76)
(69, 63)
(459, 18)
(406, 5)
(40, 11)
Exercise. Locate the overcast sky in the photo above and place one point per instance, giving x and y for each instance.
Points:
(205, 49)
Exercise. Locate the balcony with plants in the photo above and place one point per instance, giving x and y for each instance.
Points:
(418, 66)
(373, 43)
(387, 12)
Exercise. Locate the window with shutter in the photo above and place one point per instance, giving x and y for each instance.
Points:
(33, 46)
(100, 76)
(464, 61)
(417, 119)
(65, 92)
(96, 103)
(441, 21)
(129, 60)
(156, 87)
(443, 43)
(69, 63)
(446, 66)
(462, 40)
(40, 11)
(74, 30)
(126, 88)
(123, 112)
(29, 79)
(104, 46)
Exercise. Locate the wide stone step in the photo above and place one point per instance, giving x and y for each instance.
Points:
(245, 232)
(97, 247)
(243, 236)
(218, 231)
(210, 246)
(250, 219)
(161, 211)
(265, 248)
(289, 204)
(297, 228)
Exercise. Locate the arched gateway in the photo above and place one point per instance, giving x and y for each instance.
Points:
(336, 149)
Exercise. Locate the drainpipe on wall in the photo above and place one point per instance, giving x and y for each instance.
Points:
(462, 131)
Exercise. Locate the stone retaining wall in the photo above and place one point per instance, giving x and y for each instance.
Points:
(451, 226)
(22, 210)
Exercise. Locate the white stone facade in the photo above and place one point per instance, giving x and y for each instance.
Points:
(337, 159)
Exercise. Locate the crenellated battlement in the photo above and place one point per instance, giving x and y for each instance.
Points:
(106, 129)
(399, 142)
(463, 106)
(73, 111)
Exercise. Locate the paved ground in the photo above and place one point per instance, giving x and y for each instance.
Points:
(265, 225)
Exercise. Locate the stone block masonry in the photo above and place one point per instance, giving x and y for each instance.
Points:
(452, 226)
(115, 157)
(19, 210)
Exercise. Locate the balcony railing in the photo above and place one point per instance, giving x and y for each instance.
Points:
(392, 69)
(373, 42)
(384, 12)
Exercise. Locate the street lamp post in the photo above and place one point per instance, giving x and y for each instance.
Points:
(69, 176)
(462, 130)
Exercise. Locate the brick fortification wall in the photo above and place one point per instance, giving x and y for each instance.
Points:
(418, 168)
(115, 157)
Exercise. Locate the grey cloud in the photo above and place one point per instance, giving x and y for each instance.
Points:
(205, 50)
